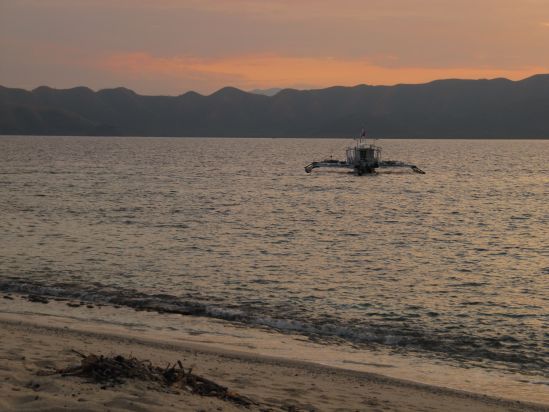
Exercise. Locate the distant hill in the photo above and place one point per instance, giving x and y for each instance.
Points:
(440, 109)
(266, 92)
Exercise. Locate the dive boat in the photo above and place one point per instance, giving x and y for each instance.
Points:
(363, 158)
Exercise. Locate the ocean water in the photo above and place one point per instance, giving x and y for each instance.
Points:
(452, 265)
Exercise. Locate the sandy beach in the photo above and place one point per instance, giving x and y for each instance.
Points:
(31, 345)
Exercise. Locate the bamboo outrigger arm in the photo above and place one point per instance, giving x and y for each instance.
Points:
(381, 165)
(396, 163)
(333, 164)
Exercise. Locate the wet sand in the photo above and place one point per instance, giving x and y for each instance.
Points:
(29, 344)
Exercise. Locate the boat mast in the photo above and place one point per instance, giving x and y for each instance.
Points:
(361, 138)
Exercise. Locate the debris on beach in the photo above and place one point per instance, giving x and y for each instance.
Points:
(37, 299)
(114, 370)
(73, 305)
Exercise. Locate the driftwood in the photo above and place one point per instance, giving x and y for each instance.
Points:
(37, 298)
(111, 371)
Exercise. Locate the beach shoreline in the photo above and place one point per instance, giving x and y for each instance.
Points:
(31, 343)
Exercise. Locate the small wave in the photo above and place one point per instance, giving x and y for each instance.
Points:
(469, 284)
(506, 349)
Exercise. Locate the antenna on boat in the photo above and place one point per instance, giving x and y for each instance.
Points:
(362, 136)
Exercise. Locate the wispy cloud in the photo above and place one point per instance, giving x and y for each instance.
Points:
(269, 70)
(165, 46)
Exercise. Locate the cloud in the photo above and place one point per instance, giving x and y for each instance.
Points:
(272, 70)
(166, 46)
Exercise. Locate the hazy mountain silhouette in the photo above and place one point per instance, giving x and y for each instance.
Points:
(266, 92)
(443, 109)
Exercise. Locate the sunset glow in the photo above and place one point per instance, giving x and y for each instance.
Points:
(267, 70)
(169, 46)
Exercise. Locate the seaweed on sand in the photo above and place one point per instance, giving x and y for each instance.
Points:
(114, 370)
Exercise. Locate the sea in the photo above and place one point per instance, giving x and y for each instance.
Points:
(449, 268)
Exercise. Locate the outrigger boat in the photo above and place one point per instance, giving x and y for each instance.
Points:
(363, 158)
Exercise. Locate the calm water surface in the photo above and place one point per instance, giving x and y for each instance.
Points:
(452, 264)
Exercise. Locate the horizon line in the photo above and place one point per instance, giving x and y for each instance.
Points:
(269, 88)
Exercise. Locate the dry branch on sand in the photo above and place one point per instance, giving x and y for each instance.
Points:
(111, 371)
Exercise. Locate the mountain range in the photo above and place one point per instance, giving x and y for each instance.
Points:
(497, 108)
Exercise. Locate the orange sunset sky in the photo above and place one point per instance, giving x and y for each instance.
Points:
(172, 46)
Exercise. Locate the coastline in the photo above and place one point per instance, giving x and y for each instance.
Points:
(31, 342)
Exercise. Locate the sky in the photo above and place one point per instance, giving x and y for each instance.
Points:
(168, 47)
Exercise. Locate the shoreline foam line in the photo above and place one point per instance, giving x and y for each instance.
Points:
(457, 347)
